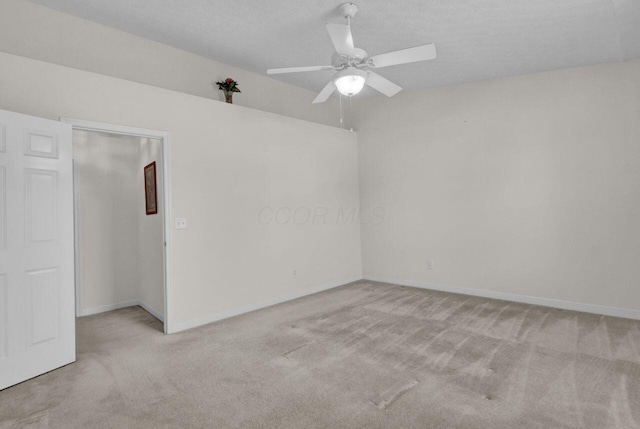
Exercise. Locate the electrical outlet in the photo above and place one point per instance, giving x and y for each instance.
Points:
(294, 273)
(181, 223)
(430, 264)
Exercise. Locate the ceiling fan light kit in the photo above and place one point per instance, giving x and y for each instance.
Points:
(350, 81)
(354, 65)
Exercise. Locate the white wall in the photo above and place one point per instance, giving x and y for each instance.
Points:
(40, 33)
(121, 247)
(527, 185)
(150, 231)
(227, 163)
(106, 169)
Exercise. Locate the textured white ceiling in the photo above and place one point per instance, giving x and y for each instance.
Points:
(475, 39)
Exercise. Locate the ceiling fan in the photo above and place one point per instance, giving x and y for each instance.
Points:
(353, 65)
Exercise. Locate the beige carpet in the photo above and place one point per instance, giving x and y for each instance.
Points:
(366, 355)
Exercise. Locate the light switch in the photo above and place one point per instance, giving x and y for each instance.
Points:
(181, 223)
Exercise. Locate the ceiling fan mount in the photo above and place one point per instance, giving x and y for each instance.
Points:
(353, 65)
(349, 10)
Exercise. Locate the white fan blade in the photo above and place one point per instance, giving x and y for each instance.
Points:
(342, 39)
(404, 56)
(325, 93)
(383, 85)
(299, 69)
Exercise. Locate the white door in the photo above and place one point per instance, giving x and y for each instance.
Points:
(37, 316)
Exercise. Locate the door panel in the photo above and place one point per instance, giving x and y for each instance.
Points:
(4, 334)
(41, 144)
(37, 298)
(41, 206)
(42, 306)
(3, 207)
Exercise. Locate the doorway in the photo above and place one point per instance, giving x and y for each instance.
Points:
(121, 236)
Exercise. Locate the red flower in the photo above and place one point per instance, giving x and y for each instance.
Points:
(228, 80)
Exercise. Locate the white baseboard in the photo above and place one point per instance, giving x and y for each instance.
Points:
(177, 327)
(131, 303)
(109, 307)
(152, 311)
(627, 313)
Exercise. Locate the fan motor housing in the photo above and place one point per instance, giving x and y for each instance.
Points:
(338, 60)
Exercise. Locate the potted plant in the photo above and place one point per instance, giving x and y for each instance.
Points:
(228, 86)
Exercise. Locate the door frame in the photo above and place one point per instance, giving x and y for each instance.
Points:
(79, 124)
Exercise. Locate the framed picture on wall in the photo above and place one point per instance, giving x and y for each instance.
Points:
(150, 191)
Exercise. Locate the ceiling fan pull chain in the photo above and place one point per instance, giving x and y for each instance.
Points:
(341, 121)
(350, 115)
